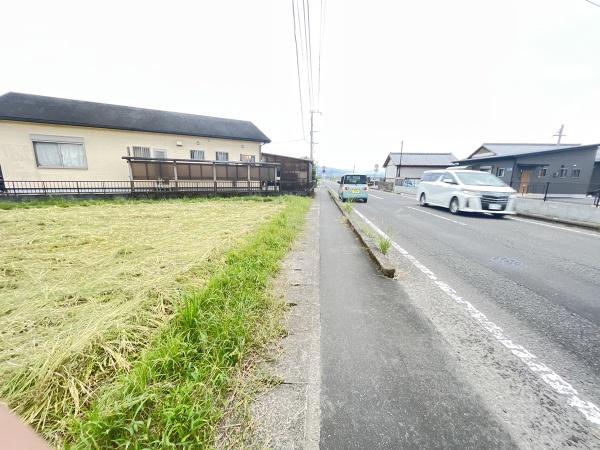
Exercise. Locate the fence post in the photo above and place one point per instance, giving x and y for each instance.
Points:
(44, 187)
(175, 175)
(215, 175)
(249, 188)
(546, 190)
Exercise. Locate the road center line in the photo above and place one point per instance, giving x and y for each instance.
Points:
(554, 226)
(548, 376)
(432, 214)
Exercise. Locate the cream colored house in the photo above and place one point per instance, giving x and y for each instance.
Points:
(53, 139)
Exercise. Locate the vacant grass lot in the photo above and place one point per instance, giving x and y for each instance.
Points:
(84, 289)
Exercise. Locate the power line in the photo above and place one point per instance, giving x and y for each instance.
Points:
(321, 34)
(308, 44)
(298, 69)
(593, 3)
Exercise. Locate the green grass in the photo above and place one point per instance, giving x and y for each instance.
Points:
(348, 206)
(175, 394)
(84, 289)
(383, 244)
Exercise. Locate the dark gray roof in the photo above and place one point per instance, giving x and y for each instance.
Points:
(421, 159)
(37, 108)
(511, 150)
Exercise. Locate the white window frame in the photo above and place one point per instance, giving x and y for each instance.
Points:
(561, 170)
(201, 152)
(144, 151)
(500, 172)
(222, 153)
(159, 151)
(545, 169)
(58, 140)
(252, 158)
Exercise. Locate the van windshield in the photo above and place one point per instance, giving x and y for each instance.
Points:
(355, 179)
(479, 179)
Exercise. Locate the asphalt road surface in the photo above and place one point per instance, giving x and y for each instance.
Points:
(513, 309)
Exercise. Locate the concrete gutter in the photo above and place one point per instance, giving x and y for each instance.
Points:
(381, 260)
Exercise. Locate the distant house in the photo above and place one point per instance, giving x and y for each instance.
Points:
(410, 166)
(528, 167)
(55, 139)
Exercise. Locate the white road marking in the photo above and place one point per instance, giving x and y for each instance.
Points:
(432, 214)
(373, 195)
(548, 376)
(554, 226)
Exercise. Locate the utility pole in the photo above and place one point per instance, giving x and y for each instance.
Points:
(312, 132)
(400, 165)
(560, 134)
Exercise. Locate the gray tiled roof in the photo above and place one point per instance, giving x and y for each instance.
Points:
(37, 108)
(422, 159)
(521, 149)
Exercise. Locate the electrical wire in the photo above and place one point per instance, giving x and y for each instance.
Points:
(321, 35)
(298, 69)
(593, 3)
(308, 44)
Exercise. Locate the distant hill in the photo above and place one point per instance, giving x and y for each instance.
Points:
(333, 172)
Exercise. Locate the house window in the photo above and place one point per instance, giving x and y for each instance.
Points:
(575, 173)
(563, 172)
(197, 154)
(222, 156)
(247, 158)
(141, 152)
(160, 153)
(542, 172)
(500, 172)
(62, 155)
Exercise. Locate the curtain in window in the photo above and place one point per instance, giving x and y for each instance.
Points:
(72, 155)
(47, 154)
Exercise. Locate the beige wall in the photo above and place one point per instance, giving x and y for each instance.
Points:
(390, 172)
(104, 149)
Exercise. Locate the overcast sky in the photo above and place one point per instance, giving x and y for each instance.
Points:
(442, 76)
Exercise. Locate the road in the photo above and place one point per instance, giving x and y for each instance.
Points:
(517, 304)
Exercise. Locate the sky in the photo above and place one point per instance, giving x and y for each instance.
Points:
(440, 76)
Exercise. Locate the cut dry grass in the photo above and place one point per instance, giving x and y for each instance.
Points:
(84, 289)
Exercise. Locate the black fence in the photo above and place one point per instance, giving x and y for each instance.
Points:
(135, 187)
(565, 192)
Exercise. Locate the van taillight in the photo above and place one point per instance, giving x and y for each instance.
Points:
(365, 188)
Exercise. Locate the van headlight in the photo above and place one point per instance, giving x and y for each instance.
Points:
(473, 193)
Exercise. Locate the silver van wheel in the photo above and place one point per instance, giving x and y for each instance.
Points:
(422, 201)
(454, 208)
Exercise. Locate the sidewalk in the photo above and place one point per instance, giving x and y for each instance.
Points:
(386, 381)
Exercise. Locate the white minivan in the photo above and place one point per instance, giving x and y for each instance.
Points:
(466, 191)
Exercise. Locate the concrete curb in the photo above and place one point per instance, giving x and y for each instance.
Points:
(381, 261)
(592, 226)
